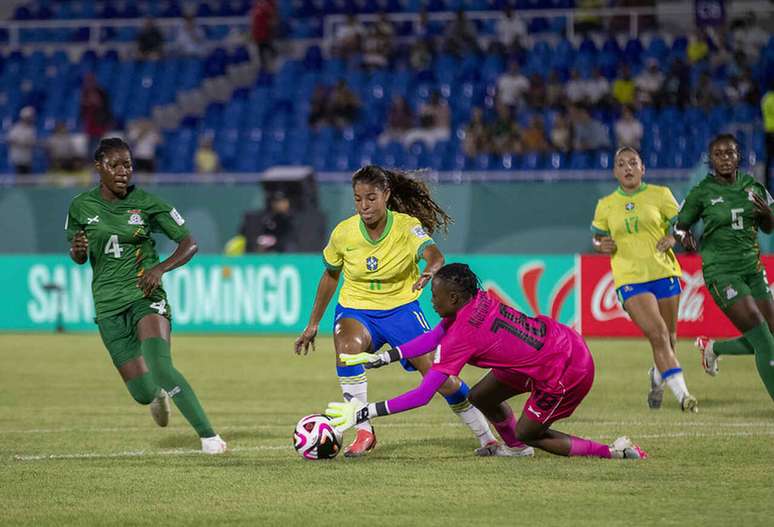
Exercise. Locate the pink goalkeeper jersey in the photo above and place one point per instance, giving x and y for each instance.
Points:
(489, 334)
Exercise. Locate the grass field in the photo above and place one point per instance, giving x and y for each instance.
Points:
(76, 450)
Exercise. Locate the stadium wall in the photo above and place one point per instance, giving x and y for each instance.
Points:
(490, 217)
(274, 294)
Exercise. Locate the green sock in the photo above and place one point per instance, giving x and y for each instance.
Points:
(143, 388)
(159, 361)
(737, 346)
(763, 341)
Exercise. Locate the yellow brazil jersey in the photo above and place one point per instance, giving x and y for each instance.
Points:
(636, 222)
(378, 274)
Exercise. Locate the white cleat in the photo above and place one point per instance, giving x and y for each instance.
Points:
(213, 445)
(495, 449)
(160, 409)
(709, 360)
(656, 393)
(689, 404)
(623, 448)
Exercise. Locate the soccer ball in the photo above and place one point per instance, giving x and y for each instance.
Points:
(316, 438)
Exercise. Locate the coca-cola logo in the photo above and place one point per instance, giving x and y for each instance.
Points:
(605, 305)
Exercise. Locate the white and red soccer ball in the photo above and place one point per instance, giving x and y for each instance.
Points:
(316, 438)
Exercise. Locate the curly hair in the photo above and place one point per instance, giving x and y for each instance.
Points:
(461, 277)
(723, 137)
(109, 144)
(408, 194)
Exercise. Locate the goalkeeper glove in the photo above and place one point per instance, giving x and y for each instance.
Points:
(371, 360)
(346, 415)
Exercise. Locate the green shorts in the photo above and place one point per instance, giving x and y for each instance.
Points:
(727, 289)
(119, 331)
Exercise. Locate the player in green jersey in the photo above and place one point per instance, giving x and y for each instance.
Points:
(733, 206)
(111, 226)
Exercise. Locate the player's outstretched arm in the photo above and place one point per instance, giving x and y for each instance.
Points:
(347, 414)
(434, 260)
(371, 360)
(325, 289)
(151, 278)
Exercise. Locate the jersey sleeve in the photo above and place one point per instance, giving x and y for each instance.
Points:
(165, 218)
(418, 239)
(72, 225)
(599, 223)
(453, 352)
(333, 257)
(668, 206)
(691, 208)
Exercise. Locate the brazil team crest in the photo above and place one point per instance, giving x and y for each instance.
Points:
(629, 206)
(372, 263)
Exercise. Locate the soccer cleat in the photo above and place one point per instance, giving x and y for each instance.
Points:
(213, 445)
(623, 448)
(495, 449)
(656, 393)
(689, 404)
(160, 409)
(709, 360)
(364, 442)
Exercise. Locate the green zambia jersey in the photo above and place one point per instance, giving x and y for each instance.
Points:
(120, 242)
(729, 245)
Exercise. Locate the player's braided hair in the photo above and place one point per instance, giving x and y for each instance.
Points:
(460, 277)
(109, 144)
(408, 194)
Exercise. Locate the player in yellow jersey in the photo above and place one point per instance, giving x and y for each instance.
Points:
(633, 225)
(378, 251)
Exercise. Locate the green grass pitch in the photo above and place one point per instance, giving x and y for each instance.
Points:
(76, 450)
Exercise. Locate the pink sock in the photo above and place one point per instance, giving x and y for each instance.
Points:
(588, 448)
(507, 430)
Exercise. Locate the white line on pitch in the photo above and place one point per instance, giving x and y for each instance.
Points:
(676, 423)
(187, 452)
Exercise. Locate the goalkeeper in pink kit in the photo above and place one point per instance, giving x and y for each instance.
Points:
(535, 355)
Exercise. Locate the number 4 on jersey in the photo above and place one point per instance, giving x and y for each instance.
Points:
(113, 246)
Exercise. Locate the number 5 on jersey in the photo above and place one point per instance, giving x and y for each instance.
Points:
(113, 246)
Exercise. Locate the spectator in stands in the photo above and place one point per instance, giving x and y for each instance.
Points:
(421, 55)
(628, 129)
(60, 148)
(434, 122)
(747, 36)
(460, 37)
(767, 109)
(400, 119)
(144, 138)
(624, 88)
(561, 134)
(586, 23)
(648, 83)
(510, 30)
(377, 47)
(554, 90)
(597, 89)
(385, 30)
(476, 138)
(736, 90)
(263, 24)
(533, 137)
(271, 229)
(504, 132)
(574, 89)
(344, 105)
(698, 48)
(22, 138)
(676, 90)
(190, 39)
(318, 107)
(588, 134)
(536, 96)
(348, 39)
(206, 159)
(706, 93)
(150, 40)
(96, 114)
(512, 87)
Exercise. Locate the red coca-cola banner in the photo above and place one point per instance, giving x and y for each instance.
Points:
(602, 315)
